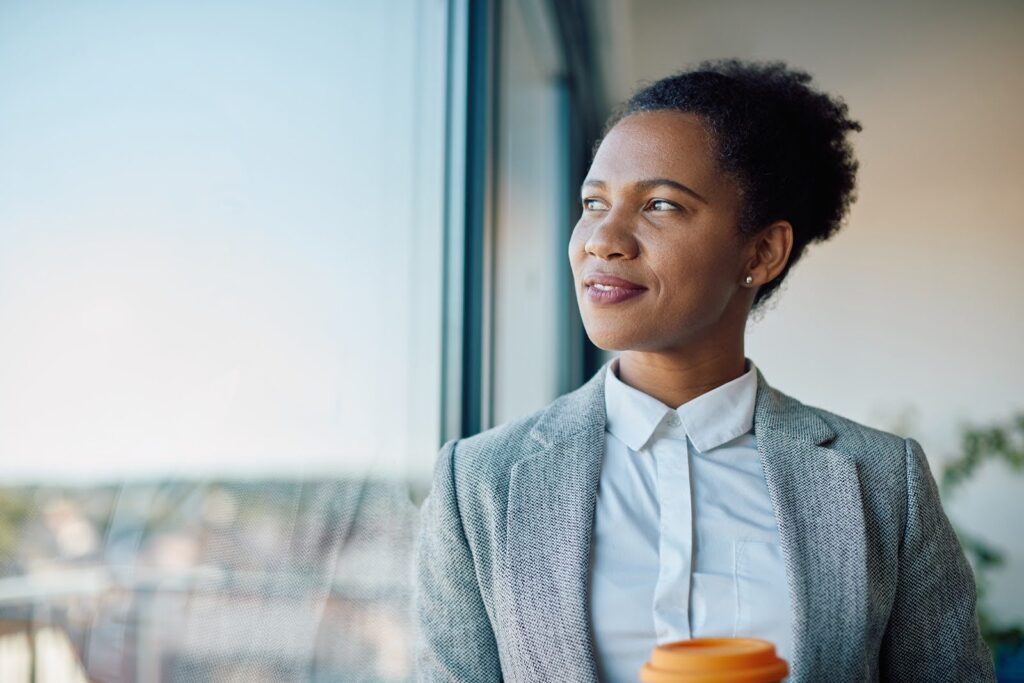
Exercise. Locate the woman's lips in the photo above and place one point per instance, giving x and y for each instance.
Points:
(611, 295)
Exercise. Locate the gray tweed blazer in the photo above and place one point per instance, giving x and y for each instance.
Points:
(879, 586)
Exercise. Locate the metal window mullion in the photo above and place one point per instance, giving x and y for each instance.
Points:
(478, 283)
(455, 171)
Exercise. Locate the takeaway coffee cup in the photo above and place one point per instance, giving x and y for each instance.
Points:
(715, 660)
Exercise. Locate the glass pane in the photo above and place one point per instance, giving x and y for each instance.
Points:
(531, 235)
(220, 296)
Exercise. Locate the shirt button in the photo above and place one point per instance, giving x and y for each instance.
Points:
(673, 420)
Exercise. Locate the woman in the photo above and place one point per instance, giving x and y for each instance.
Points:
(676, 494)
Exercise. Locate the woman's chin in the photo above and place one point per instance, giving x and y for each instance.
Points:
(615, 337)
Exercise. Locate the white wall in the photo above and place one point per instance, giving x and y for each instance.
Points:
(910, 318)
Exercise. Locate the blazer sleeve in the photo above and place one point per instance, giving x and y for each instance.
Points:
(453, 637)
(933, 632)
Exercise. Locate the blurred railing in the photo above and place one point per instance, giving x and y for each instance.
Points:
(324, 596)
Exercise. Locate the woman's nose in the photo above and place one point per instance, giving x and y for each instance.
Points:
(612, 235)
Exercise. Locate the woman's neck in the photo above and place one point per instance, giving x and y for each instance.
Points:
(675, 379)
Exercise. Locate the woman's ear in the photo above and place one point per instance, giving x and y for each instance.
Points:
(769, 252)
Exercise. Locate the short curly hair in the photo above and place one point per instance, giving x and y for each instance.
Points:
(783, 141)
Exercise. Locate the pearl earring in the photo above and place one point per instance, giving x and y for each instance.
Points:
(748, 280)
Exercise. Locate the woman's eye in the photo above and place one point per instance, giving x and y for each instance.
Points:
(663, 205)
(590, 204)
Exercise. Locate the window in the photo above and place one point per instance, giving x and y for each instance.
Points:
(531, 226)
(221, 296)
(260, 260)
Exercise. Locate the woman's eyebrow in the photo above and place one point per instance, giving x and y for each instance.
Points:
(650, 184)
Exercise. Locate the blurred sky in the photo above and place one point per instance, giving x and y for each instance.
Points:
(206, 220)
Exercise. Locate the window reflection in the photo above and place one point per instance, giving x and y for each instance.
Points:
(209, 581)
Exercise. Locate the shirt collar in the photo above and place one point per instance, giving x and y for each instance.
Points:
(709, 420)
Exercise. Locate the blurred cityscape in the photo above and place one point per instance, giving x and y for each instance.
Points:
(206, 581)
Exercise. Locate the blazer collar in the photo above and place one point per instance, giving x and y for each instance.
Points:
(815, 492)
(584, 409)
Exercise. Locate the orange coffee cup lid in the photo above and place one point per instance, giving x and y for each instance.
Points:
(715, 660)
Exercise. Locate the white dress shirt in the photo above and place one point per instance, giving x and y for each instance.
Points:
(685, 539)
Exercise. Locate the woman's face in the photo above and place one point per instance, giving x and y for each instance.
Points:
(657, 211)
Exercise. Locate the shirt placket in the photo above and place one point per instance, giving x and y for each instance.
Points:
(675, 524)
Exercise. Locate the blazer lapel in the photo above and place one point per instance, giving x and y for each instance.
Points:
(815, 493)
(552, 500)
